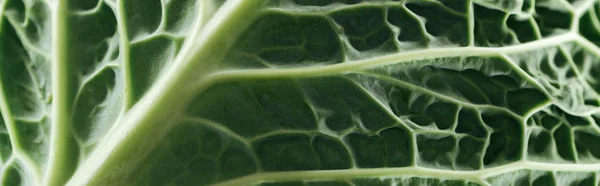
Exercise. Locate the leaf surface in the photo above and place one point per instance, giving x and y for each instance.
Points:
(299, 92)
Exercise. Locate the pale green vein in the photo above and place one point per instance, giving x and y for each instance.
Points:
(594, 18)
(282, 131)
(595, 125)
(441, 96)
(125, 50)
(532, 81)
(595, 50)
(24, 40)
(3, 173)
(90, 11)
(566, 5)
(585, 43)
(94, 74)
(578, 74)
(381, 105)
(333, 7)
(477, 176)
(217, 126)
(580, 10)
(536, 110)
(60, 162)
(154, 36)
(471, 23)
(536, 27)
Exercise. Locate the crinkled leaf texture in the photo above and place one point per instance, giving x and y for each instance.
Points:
(300, 92)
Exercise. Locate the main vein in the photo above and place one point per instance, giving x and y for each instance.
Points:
(60, 163)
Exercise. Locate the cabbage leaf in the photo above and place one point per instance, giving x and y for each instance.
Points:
(299, 92)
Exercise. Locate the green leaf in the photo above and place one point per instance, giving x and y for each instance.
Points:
(299, 92)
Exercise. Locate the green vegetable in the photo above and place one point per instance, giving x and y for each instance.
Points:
(299, 92)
